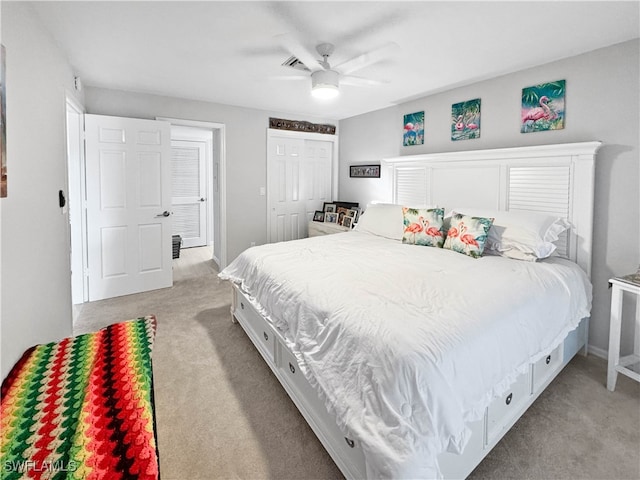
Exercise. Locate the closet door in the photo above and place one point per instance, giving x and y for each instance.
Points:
(188, 181)
(299, 181)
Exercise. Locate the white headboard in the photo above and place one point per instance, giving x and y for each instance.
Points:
(555, 179)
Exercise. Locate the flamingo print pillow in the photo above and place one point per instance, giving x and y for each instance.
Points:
(467, 234)
(423, 226)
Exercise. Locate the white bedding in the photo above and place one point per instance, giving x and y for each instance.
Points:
(406, 343)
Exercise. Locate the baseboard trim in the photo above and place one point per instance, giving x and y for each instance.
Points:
(598, 352)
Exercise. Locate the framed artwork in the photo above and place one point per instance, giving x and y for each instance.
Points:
(347, 204)
(353, 213)
(465, 120)
(347, 222)
(364, 171)
(413, 129)
(318, 216)
(3, 124)
(543, 107)
(330, 217)
(329, 207)
(342, 211)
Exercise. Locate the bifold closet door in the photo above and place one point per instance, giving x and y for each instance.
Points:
(299, 179)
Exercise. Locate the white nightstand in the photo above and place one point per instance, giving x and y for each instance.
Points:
(628, 365)
(324, 228)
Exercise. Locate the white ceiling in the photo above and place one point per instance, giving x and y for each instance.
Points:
(227, 52)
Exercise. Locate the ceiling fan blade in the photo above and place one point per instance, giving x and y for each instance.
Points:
(295, 47)
(360, 81)
(367, 59)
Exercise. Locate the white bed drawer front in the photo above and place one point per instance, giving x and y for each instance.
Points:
(348, 450)
(504, 409)
(544, 368)
(256, 327)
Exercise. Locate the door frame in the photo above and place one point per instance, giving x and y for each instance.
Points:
(77, 196)
(219, 152)
(333, 139)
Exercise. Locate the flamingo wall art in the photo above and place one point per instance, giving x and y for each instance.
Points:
(465, 120)
(543, 107)
(413, 129)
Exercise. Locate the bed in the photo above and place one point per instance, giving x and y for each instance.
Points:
(412, 361)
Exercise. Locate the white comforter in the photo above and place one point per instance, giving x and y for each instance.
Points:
(405, 343)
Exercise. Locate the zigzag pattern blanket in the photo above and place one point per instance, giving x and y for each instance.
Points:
(82, 408)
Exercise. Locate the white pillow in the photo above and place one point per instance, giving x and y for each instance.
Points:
(521, 235)
(382, 219)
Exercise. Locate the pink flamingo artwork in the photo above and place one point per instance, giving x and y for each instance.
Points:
(415, 228)
(466, 238)
(544, 111)
(459, 123)
(433, 232)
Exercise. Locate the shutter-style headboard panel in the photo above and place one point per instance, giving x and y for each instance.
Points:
(556, 179)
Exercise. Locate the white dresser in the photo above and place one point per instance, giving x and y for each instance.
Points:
(322, 228)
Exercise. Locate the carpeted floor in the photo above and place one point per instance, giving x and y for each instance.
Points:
(221, 414)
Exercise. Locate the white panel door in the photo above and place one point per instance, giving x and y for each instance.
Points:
(188, 182)
(128, 205)
(316, 175)
(299, 181)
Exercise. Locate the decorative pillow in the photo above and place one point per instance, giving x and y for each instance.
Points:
(423, 226)
(522, 235)
(382, 219)
(467, 234)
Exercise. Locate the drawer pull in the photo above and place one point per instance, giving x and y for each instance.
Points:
(509, 398)
(292, 368)
(266, 337)
(350, 442)
(242, 305)
(548, 360)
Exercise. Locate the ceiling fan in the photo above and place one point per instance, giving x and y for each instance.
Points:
(325, 78)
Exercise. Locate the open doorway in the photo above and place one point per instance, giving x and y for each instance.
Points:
(202, 215)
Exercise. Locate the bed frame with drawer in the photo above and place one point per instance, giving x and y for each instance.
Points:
(554, 179)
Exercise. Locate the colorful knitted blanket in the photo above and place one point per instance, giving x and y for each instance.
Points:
(82, 408)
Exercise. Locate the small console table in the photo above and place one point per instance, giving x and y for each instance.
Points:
(628, 365)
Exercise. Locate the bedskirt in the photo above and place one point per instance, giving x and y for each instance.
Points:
(82, 408)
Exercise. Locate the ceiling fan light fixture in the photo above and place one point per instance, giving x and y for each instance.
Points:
(324, 84)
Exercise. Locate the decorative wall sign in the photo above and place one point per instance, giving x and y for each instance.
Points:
(364, 171)
(543, 107)
(3, 125)
(465, 120)
(300, 126)
(413, 129)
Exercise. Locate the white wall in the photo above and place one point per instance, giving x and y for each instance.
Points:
(36, 284)
(602, 100)
(246, 151)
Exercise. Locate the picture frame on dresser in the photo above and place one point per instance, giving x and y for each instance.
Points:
(329, 207)
(330, 217)
(342, 212)
(318, 216)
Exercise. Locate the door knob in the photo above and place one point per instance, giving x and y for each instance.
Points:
(203, 199)
(166, 213)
